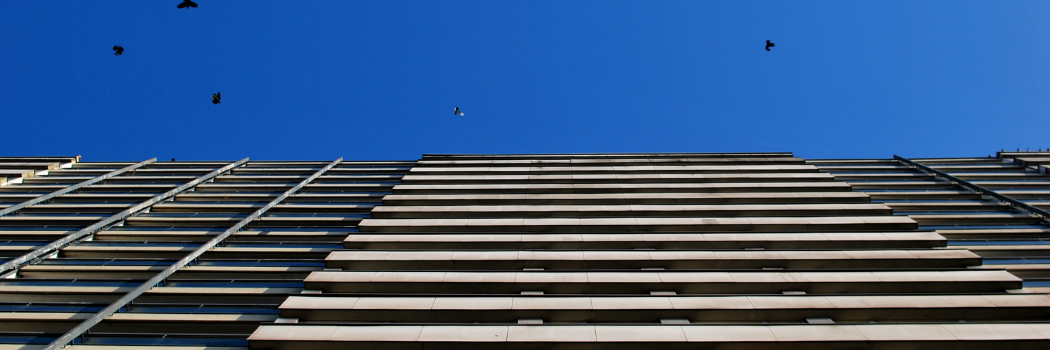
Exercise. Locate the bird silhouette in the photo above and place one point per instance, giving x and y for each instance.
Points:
(119, 50)
(457, 112)
(215, 98)
(187, 4)
(769, 45)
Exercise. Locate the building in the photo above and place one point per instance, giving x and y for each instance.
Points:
(538, 251)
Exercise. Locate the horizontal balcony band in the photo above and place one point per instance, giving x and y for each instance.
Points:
(204, 235)
(141, 252)
(1026, 194)
(76, 171)
(12, 289)
(630, 336)
(931, 184)
(297, 274)
(153, 171)
(625, 188)
(106, 295)
(618, 178)
(144, 179)
(544, 156)
(559, 260)
(132, 317)
(749, 224)
(259, 296)
(247, 208)
(1026, 271)
(14, 199)
(882, 176)
(637, 169)
(1014, 185)
(720, 309)
(190, 291)
(1000, 176)
(1007, 250)
(220, 186)
(299, 175)
(51, 219)
(580, 211)
(75, 197)
(960, 160)
(1005, 231)
(144, 332)
(131, 187)
(98, 165)
(772, 240)
(547, 303)
(219, 220)
(19, 247)
(43, 236)
(275, 193)
(970, 281)
(613, 161)
(923, 195)
(975, 218)
(145, 272)
(396, 169)
(78, 207)
(973, 167)
(948, 206)
(145, 335)
(256, 164)
(657, 198)
(864, 168)
(41, 163)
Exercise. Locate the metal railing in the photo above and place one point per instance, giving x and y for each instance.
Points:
(53, 247)
(72, 188)
(83, 327)
(1016, 204)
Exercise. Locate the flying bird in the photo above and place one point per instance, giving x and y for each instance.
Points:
(769, 45)
(215, 98)
(457, 112)
(187, 4)
(119, 50)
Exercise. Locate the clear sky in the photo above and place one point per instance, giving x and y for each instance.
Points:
(322, 79)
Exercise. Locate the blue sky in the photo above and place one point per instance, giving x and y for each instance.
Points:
(379, 79)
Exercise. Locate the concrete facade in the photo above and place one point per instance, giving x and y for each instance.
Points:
(581, 251)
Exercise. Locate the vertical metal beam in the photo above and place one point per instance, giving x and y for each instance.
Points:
(64, 241)
(72, 188)
(160, 277)
(1016, 204)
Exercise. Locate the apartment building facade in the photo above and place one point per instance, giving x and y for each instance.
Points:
(527, 251)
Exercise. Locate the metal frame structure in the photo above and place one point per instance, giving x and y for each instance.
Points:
(52, 195)
(53, 247)
(83, 327)
(1016, 204)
